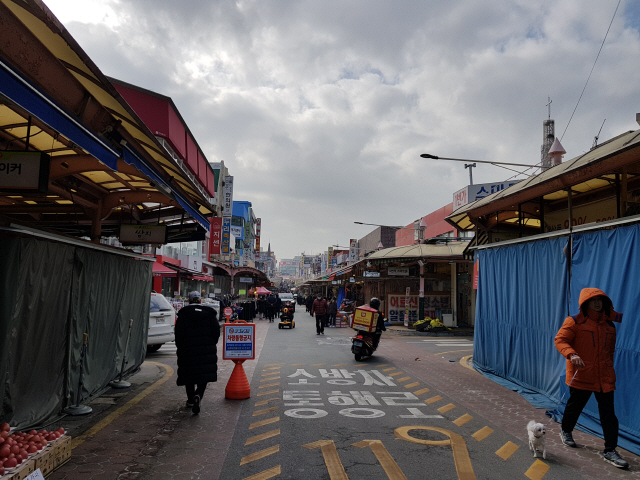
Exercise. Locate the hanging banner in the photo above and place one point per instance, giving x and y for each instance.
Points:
(258, 230)
(24, 172)
(227, 197)
(353, 251)
(226, 235)
(154, 234)
(215, 237)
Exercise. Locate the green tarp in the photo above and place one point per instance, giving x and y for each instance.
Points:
(51, 294)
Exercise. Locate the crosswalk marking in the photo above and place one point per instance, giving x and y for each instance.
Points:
(411, 385)
(262, 436)
(431, 400)
(266, 410)
(403, 379)
(258, 455)
(395, 374)
(388, 369)
(446, 408)
(268, 393)
(269, 385)
(507, 450)
(483, 433)
(262, 423)
(269, 379)
(463, 419)
(536, 471)
(264, 402)
(421, 391)
(266, 475)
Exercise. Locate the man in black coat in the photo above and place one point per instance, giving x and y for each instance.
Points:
(197, 332)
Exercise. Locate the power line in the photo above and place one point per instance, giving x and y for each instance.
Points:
(594, 66)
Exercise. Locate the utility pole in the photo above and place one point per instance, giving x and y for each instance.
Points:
(470, 166)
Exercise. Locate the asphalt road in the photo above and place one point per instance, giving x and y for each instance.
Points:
(316, 413)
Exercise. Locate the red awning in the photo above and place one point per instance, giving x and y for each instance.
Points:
(162, 271)
(332, 277)
(202, 278)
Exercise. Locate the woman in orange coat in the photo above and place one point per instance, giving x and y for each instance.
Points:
(588, 342)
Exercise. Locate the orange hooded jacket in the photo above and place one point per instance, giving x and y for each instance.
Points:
(593, 338)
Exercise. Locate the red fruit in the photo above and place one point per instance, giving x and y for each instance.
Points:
(4, 427)
(15, 449)
(11, 463)
(32, 449)
(19, 459)
(1, 470)
(5, 451)
(4, 434)
(24, 453)
(61, 430)
(32, 432)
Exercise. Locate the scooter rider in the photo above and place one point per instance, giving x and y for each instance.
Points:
(375, 304)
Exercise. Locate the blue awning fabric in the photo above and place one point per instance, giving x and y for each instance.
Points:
(524, 295)
(20, 91)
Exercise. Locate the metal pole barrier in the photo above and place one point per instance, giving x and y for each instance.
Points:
(121, 383)
(78, 409)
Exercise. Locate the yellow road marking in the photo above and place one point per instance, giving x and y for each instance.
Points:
(269, 369)
(383, 365)
(331, 458)
(266, 410)
(270, 373)
(458, 445)
(420, 392)
(270, 385)
(388, 369)
(446, 408)
(483, 433)
(262, 423)
(464, 361)
(268, 393)
(317, 364)
(262, 436)
(431, 400)
(339, 365)
(258, 455)
(361, 365)
(404, 379)
(264, 402)
(273, 364)
(266, 475)
(463, 419)
(269, 379)
(453, 351)
(296, 364)
(411, 385)
(395, 374)
(508, 449)
(536, 471)
(131, 403)
(387, 462)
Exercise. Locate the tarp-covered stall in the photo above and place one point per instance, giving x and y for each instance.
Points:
(51, 294)
(524, 292)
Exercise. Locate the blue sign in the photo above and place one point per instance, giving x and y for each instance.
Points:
(226, 235)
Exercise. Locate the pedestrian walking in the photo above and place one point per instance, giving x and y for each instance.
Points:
(196, 332)
(309, 303)
(278, 305)
(333, 312)
(271, 307)
(321, 309)
(588, 342)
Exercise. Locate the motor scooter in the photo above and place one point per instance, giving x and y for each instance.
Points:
(363, 344)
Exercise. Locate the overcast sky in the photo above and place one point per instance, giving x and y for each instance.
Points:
(320, 109)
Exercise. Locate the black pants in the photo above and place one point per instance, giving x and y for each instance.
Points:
(577, 401)
(320, 321)
(192, 391)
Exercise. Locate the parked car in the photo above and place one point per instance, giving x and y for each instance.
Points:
(162, 319)
(288, 301)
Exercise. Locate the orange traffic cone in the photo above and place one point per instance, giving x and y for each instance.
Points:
(238, 387)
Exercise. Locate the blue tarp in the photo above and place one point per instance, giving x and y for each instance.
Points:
(523, 293)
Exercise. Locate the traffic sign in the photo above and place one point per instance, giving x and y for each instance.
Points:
(228, 312)
(238, 341)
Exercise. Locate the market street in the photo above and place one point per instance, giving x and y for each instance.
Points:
(316, 413)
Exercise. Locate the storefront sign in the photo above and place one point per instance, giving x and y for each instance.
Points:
(476, 272)
(226, 235)
(397, 271)
(593, 212)
(236, 231)
(396, 306)
(472, 193)
(238, 341)
(353, 251)
(215, 236)
(227, 197)
(246, 280)
(24, 172)
(258, 230)
(156, 234)
(371, 274)
(352, 280)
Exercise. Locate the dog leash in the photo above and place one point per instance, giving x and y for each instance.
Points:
(562, 398)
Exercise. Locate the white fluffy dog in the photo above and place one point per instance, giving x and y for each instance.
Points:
(536, 438)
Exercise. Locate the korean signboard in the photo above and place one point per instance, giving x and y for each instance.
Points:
(24, 172)
(236, 231)
(471, 193)
(353, 251)
(396, 306)
(398, 271)
(238, 341)
(227, 197)
(156, 234)
(226, 235)
(215, 236)
(258, 229)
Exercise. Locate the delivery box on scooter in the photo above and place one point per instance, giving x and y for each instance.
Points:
(365, 318)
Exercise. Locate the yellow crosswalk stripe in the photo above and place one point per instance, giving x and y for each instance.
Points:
(264, 402)
(420, 392)
(339, 365)
(431, 400)
(262, 423)
(268, 393)
(296, 364)
(273, 364)
(266, 410)
(508, 449)
(463, 419)
(269, 379)
(483, 433)
(262, 436)
(270, 385)
(446, 408)
(382, 365)
(270, 373)
(361, 365)
(403, 379)
(317, 364)
(388, 369)
(536, 471)
(412, 385)
(266, 475)
(258, 455)
(395, 374)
